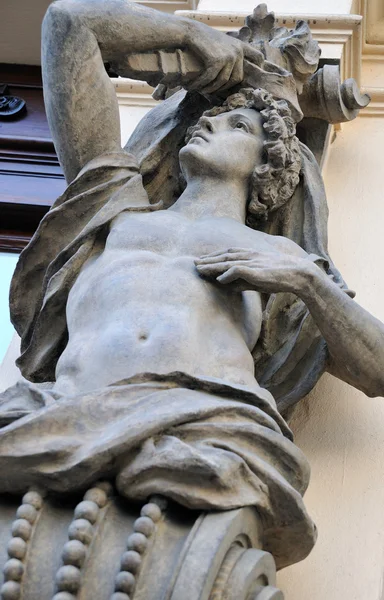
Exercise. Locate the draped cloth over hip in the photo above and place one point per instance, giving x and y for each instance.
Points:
(204, 443)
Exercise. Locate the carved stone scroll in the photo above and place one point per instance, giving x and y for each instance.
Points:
(104, 549)
(325, 97)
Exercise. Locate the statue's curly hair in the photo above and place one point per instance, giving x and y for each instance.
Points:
(275, 181)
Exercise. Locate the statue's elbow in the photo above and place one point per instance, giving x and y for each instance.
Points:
(56, 12)
(61, 38)
(58, 20)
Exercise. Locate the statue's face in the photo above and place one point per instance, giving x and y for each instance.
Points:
(229, 145)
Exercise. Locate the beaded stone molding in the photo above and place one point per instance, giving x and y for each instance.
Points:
(22, 531)
(137, 544)
(105, 547)
(80, 533)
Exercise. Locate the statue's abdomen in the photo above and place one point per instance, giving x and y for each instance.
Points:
(134, 311)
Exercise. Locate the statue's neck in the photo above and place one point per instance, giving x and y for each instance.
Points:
(213, 197)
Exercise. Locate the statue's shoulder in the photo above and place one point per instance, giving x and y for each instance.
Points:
(276, 243)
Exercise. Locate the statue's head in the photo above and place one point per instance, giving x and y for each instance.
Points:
(250, 138)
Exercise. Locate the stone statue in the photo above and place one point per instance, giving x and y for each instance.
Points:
(176, 299)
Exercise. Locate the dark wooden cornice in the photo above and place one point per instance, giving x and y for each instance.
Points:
(30, 175)
(21, 74)
(13, 241)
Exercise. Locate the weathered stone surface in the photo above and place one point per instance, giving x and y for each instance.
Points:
(179, 297)
(186, 554)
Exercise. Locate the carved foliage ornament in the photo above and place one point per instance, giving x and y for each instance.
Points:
(287, 69)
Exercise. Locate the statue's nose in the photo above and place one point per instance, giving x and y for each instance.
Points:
(207, 124)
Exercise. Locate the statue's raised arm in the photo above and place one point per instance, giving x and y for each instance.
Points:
(79, 36)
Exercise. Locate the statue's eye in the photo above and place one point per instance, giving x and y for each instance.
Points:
(241, 125)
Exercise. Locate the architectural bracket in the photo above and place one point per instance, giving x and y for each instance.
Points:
(339, 36)
(373, 54)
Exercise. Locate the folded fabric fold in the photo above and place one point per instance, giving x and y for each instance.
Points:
(204, 443)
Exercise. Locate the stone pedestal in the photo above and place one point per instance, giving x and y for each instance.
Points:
(104, 548)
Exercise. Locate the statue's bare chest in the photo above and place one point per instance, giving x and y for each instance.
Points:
(169, 233)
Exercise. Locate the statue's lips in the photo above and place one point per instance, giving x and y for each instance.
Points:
(199, 136)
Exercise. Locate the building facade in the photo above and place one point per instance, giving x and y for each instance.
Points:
(340, 430)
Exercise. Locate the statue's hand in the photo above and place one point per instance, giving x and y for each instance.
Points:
(263, 271)
(222, 58)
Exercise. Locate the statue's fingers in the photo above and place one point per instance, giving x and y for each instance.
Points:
(252, 54)
(242, 249)
(231, 74)
(232, 274)
(222, 78)
(213, 269)
(217, 267)
(243, 256)
(204, 79)
(242, 275)
(221, 253)
(211, 255)
(219, 81)
(236, 77)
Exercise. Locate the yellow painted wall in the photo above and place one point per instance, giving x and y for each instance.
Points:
(330, 7)
(340, 429)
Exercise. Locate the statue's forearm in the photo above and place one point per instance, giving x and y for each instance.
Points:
(78, 36)
(354, 337)
(122, 27)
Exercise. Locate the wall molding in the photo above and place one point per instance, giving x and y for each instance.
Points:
(14, 241)
(340, 33)
(373, 11)
(170, 6)
(376, 107)
(370, 49)
(373, 51)
(133, 93)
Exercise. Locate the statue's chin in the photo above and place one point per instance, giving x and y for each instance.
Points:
(193, 156)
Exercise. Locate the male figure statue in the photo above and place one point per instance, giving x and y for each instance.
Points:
(150, 318)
